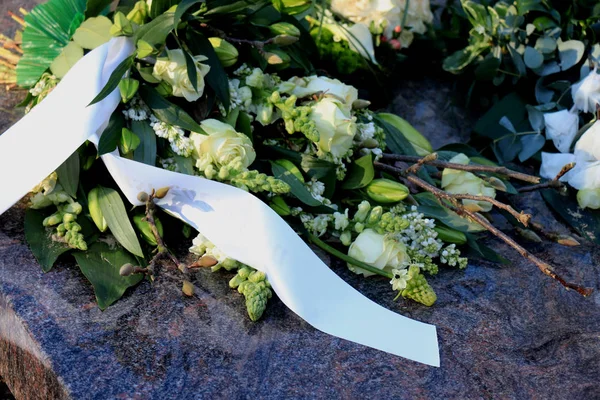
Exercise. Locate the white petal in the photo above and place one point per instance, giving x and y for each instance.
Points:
(552, 163)
(561, 127)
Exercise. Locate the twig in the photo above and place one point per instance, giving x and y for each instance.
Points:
(460, 210)
(551, 184)
(469, 167)
(413, 169)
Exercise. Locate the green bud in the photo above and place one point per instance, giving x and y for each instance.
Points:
(280, 206)
(68, 217)
(144, 229)
(95, 211)
(418, 141)
(128, 88)
(363, 210)
(530, 235)
(284, 28)
(284, 40)
(144, 49)
(277, 57)
(386, 191)
(495, 183)
(226, 52)
(139, 13)
(359, 227)
(359, 104)
(129, 141)
(53, 219)
(375, 215)
(450, 235)
(73, 208)
(126, 269)
(164, 89)
(121, 25)
(346, 238)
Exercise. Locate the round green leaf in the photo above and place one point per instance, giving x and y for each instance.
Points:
(545, 44)
(533, 58)
(570, 52)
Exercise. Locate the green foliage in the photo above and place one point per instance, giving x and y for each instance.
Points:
(68, 174)
(39, 238)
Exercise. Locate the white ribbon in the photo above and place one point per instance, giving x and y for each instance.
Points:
(241, 225)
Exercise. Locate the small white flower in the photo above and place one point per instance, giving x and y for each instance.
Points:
(340, 220)
(400, 279)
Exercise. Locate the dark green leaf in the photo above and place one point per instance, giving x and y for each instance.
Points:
(517, 61)
(531, 144)
(360, 173)
(167, 111)
(511, 106)
(432, 208)
(68, 174)
(156, 31)
(216, 77)
(39, 239)
(570, 52)
(114, 79)
(182, 8)
(96, 7)
(533, 58)
(191, 70)
(117, 220)
(316, 168)
(297, 187)
(244, 124)
(227, 7)
(128, 142)
(487, 69)
(101, 264)
(110, 137)
(160, 6)
(146, 151)
(484, 251)
(507, 149)
(586, 222)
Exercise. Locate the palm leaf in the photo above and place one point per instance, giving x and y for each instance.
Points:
(49, 29)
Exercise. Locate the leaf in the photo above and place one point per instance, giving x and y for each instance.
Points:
(544, 23)
(536, 118)
(146, 151)
(316, 168)
(156, 31)
(114, 79)
(46, 33)
(66, 59)
(360, 174)
(244, 124)
(216, 77)
(517, 61)
(431, 207)
(531, 144)
(167, 111)
(507, 148)
(129, 141)
(110, 136)
(533, 58)
(117, 220)
(297, 187)
(512, 107)
(182, 8)
(488, 68)
(545, 44)
(158, 7)
(39, 238)
(484, 251)
(543, 95)
(505, 122)
(191, 70)
(94, 8)
(93, 32)
(226, 7)
(586, 222)
(570, 52)
(100, 264)
(68, 174)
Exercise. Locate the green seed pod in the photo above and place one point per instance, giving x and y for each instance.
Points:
(139, 13)
(450, 235)
(284, 28)
(386, 191)
(418, 141)
(142, 196)
(284, 40)
(121, 25)
(128, 88)
(129, 141)
(226, 52)
(144, 49)
(126, 269)
(144, 229)
(95, 211)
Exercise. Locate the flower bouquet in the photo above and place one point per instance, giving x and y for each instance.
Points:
(212, 117)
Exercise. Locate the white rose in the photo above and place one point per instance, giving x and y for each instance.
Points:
(586, 174)
(463, 182)
(221, 145)
(380, 251)
(586, 93)
(561, 127)
(330, 87)
(173, 70)
(335, 125)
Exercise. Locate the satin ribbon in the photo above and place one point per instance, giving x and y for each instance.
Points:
(238, 223)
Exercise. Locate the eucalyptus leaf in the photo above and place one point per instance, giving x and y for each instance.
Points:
(167, 111)
(570, 53)
(517, 61)
(533, 58)
(545, 44)
(117, 220)
(543, 95)
(508, 148)
(360, 173)
(101, 264)
(39, 238)
(505, 122)
(531, 144)
(68, 174)
(536, 118)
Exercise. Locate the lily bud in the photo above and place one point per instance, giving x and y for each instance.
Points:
(363, 210)
(129, 141)
(284, 40)
(279, 205)
(95, 211)
(359, 104)
(139, 13)
(126, 269)
(162, 192)
(386, 191)
(121, 25)
(226, 52)
(418, 141)
(375, 215)
(188, 288)
(284, 28)
(128, 88)
(450, 235)
(567, 240)
(277, 57)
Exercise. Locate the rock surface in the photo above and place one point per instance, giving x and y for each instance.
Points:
(504, 331)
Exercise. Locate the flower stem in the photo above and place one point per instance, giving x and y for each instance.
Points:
(336, 253)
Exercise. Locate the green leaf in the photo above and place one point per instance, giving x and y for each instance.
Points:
(39, 238)
(226, 7)
(531, 144)
(216, 77)
(114, 79)
(146, 151)
(191, 70)
(66, 59)
(94, 8)
(156, 31)
(316, 168)
(484, 251)
(431, 208)
(533, 58)
(93, 32)
(117, 219)
(517, 61)
(244, 124)
(110, 136)
(545, 44)
(167, 111)
(101, 264)
(488, 68)
(160, 6)
(512, 107)
(586, 222)
(129, 141)
(570, 53)
(360, 173)
(182, 8)
(297, 187)
(68, 174)
(47, 32)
